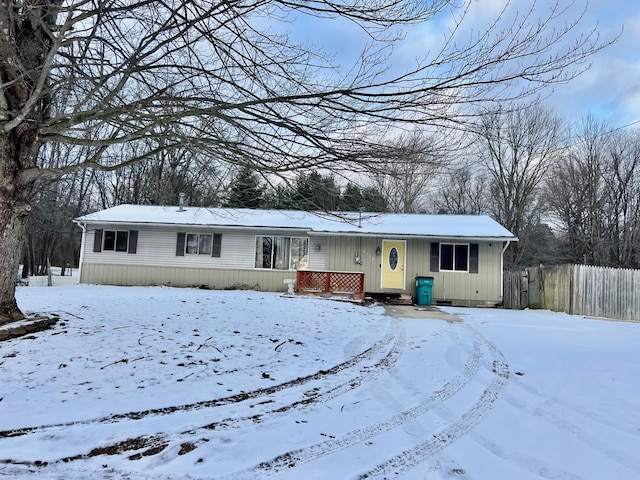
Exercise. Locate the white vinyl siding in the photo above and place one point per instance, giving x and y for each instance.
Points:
(317, 253)
(158, 248)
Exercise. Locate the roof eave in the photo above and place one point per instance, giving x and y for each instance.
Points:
(185, 225)
(305, 230)
(490, 238)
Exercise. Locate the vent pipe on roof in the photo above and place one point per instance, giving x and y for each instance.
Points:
(181, 202)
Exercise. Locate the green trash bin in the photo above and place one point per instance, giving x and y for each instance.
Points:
(424, 290)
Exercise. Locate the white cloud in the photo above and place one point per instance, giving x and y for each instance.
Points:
(610, 88)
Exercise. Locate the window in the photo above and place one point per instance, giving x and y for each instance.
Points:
(115, 241)
(199, 244)
(281, 253)
(299, 253)
(393, 258)
(454, 257)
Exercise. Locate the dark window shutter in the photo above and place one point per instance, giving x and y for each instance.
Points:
(180, 244)
(473, 258)
(217, 245)
(97, 240)
(435, 257)
(133, 241)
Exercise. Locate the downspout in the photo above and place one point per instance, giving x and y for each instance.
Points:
(502, 268)
(83, 226)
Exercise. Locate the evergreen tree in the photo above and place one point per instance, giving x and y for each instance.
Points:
(279, 198)
(374, 201)
(314, 191)
(246, 191)
(352, 199)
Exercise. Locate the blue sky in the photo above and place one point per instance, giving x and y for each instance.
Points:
(610, 89)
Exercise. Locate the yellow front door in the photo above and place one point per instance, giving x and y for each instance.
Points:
(393, 253)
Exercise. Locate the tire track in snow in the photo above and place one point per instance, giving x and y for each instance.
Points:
(538, 467)
(373, 371)
(394, 340)
(410, 387)
(463, 425)
(591, 415)
(315, 397)
(397, 336)
(299, 456)
(370, 372)
(382, 395)
(596, 443)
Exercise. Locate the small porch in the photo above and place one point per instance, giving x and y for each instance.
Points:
(347, 284)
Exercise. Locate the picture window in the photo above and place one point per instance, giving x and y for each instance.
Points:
(281, 253)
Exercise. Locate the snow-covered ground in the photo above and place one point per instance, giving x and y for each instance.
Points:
(161, 383)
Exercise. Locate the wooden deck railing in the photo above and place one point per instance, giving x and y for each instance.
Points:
(339, 283)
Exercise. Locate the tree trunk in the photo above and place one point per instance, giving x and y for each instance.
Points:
(13, 219)
(18, 152)
(25, 99)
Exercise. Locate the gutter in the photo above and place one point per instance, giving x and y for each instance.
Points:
(502, 268)
(83, 226)
(187, 226)
(429, 236)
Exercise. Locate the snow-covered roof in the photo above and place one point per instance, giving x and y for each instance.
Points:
(313, 223)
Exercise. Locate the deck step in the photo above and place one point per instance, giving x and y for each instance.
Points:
(394, 298)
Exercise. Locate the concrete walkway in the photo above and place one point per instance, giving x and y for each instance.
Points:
(416, 311)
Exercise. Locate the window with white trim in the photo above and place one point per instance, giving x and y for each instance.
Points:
(115, 241)
(281, 253)
(189, 243)
(198, 244)
(454, 257)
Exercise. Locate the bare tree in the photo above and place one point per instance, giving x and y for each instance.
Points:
(622, 179)
(55, 202)
(517, 147)
(621, 175)
(576, 190)
(594, 193)
(159, 180)
(405, 174)
(464, 190)
(210, 76)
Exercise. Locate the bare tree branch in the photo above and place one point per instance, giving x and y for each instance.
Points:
(218, 77)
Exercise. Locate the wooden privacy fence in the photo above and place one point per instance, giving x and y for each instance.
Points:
(339, 283)
(576, 289)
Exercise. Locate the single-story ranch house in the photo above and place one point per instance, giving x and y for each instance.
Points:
(222, 248)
